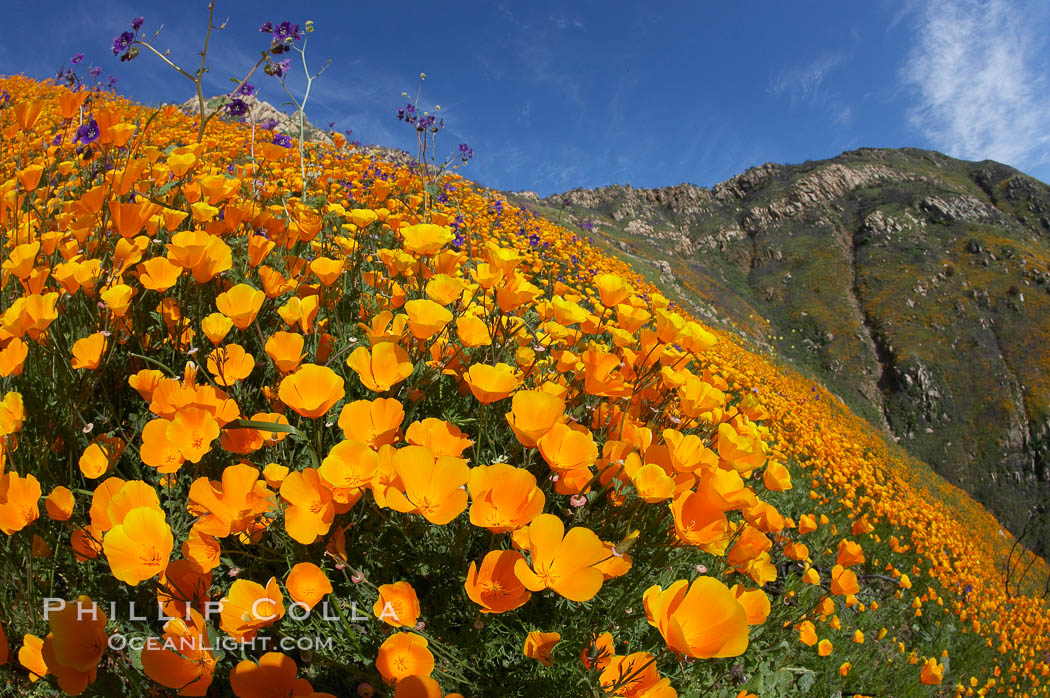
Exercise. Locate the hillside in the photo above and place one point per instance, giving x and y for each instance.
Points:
(375, 432)
(913, 285)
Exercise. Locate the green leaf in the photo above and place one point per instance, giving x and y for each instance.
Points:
(262, 426)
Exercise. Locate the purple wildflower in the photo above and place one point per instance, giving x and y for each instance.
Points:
(282, 140)
(95, 71)
(237, 107)
(136, 23)
(88, 133)
(246, 90)
(77, 58)
(268, 125)
(266, 28)
(122, 42)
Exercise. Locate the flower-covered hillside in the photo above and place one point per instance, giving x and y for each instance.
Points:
(379, 432)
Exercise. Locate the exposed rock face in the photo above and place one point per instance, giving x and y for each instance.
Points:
(915, 284)
(261, 112)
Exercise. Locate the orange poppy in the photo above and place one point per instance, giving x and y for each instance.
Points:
(397, 605)
(426, 318)
(374, 422)
(503, 498)
(286, 350)
(139, 547)
(181, 659)
(230, 364)
(380, 369)
(59, 504)
(348, 469)
(540, 645)
(533, 413)
(241, 304)
(433, 487)
(249, 606)
(311, 390)
(312, 511)
(494, 586)
(18, 501)
(307, 584)
(491, 383)
(88, 351)
(702, 619)
(402, 655)
(562, 562)
(274, 675)
(425, 239)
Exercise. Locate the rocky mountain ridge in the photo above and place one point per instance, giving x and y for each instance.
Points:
(914, 285)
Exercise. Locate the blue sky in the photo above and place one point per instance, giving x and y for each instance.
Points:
(556, 95)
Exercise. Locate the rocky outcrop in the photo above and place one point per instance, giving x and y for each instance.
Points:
(916, 285)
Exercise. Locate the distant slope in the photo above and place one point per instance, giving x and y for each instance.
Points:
(914, 285)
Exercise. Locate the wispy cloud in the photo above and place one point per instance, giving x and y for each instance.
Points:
(806, 85)
(976, 73)
(562, 22)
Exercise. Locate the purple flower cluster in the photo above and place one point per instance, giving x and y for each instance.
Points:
(123, 43)
(282, 140)
(283, 35)
(268, 125)
(88, 133)
(465, 152)
(422, 122)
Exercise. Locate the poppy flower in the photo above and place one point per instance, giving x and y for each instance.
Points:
(562, 562)
(216, 326)
(843, 581)
(311, 512)
(181, 659)
(612, 289)
(230, 364)
(76, 643)
(491, 383)
(755, 603)
(494, 586)
(699, 517)
(274, 675)
(311, 390)
(140, 546)
(426, 318)
(307, 584)
(849, 553)
(348, 469)
(540, 645)
(397, 605)
(18, 501)
(12, 413)
(503, 497)
(932, 673)
(402, 655)
(193, 429)
(241, 304)
(249, 606)
(426, 239)
(380, 369)
(231, 506)
(88, 351)
(632, 676)
(59, 504)
(441, 437)
(701, 620)
(433, 487)
(286, 350)
(533, 413)
(472, 331)
(374, 422)
(565, 448)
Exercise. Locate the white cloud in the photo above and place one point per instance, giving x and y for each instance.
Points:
(805, 83)
(980, 91)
